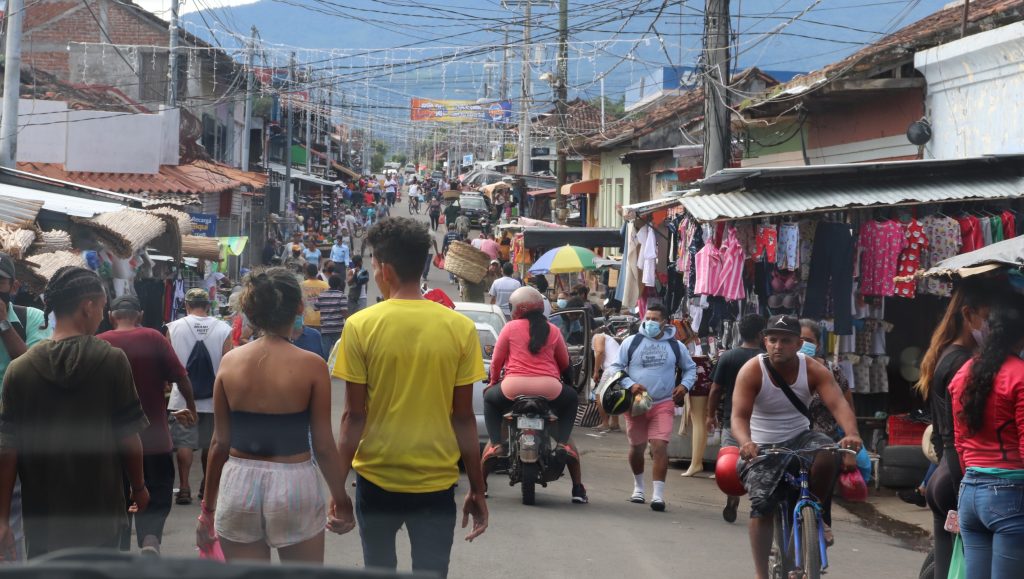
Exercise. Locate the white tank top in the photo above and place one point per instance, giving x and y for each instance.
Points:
(611, 352)
(775, 419)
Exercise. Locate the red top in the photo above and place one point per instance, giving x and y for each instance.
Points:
(1000, 441)
(512, 352)
(153, 363)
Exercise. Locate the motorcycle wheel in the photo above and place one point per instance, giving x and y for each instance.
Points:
(530, 474)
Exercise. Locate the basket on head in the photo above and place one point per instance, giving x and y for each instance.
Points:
(465, 261)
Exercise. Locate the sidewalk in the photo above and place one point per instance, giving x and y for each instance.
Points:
(885, 512)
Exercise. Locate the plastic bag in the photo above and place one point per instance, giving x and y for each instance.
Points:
(957, 563)
(852, 486)
(213, 552)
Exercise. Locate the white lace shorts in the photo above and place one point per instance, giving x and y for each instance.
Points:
(280, 504)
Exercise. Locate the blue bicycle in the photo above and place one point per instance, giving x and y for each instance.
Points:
(798, 546)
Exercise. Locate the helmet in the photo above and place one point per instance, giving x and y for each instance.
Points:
(612, 395)
(525, 300)
(727, 473)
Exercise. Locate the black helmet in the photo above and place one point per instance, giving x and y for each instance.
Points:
(612, 395)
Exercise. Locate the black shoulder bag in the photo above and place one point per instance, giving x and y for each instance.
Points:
(781, 383)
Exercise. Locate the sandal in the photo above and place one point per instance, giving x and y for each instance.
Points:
(184, 497)
(830, 538)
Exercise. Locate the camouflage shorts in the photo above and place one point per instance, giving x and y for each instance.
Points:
(761, 478)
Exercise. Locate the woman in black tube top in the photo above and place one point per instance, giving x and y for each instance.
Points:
(262, 486)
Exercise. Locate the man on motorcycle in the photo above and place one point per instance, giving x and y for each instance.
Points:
(765, 414)
(529, 360)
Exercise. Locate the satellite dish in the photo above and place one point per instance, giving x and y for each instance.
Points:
(919, 132)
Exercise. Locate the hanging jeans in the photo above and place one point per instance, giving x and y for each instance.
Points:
(832, 271)
(992, 526)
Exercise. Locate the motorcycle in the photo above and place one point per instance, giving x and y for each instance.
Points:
(534, 456)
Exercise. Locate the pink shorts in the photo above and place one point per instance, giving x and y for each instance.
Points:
(656, 424)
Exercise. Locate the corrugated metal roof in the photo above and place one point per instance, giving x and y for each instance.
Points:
(66, 204)
(794, 200)
(644, 207)
(19, 211)
(300, 175)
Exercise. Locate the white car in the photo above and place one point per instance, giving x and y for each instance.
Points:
(488, 338)
(483, 314)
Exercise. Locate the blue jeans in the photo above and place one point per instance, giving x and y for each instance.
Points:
(328, 341)
(992, 526)
(429, 518)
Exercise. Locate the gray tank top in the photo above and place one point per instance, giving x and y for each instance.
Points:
(775, 419)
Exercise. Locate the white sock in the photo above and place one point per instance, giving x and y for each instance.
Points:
(659, 490)
(638, 483)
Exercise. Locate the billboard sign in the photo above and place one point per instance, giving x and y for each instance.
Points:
(460, 111)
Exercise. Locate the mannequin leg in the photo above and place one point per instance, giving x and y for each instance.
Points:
(699, 433)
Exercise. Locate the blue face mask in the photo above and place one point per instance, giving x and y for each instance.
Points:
(651, 329)
(562, 303)
(297, 324)
(809, 349)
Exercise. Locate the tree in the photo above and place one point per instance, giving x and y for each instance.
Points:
(614, 108)
(400, 159)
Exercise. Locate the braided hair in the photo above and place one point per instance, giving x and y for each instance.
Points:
(68, 288)
(1006, 331)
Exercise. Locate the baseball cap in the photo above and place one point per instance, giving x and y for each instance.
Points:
(197, 295)
(126, 303)
(6, 266)
(783, 324)
(495, 262)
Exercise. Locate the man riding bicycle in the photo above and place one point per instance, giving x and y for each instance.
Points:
(769, 409)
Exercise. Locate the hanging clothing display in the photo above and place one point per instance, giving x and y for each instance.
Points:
(1009, 224)
(789, 247)
(915, 242)
(997, 228)
(647, 260)
(731, 286)
(767, 242)
(831, 275)
(970, 233)
(880, 244)
(708, 265)
(944, 242)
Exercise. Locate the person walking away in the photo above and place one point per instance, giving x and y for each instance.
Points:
(475, 292)
(69, 427)
(200, 341)
(311, 288)
(434, 211)
(723, 383)
(21, 327)
(449, 238)
(529, 360)
(463, 226)
(502, 288)
(764, 416)
(358, 278)
(270, 399)
(651, 359)
(987, 395)
(451, 213)
(333, 307)
(153, 363)
(955, 340)
(341, 254)
(409, 479)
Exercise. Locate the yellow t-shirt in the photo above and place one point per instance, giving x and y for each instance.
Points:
(311, 288)
(411, 354)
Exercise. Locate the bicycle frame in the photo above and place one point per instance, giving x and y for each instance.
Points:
(792, 533)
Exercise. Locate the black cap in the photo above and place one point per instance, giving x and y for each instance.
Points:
(783, 325)
(126, 303)
(6, 266)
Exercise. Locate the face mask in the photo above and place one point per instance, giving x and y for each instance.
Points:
(562, 303)
(809, 349)
(980, 334)
(297, 324)
(651, 329)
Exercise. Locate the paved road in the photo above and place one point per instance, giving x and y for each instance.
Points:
(610, 537)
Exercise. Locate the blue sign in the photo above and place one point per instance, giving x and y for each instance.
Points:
(204, 224)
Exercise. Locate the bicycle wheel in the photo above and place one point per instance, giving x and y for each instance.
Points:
(810, 553)
(779, 561)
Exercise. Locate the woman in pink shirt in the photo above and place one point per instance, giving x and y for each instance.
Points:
(529, 360)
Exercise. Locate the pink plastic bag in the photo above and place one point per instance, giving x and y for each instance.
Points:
(852, 486)
(212, 552)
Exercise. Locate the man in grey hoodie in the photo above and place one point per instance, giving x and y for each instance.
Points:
(651, 359)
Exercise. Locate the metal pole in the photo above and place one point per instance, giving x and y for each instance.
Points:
(12, 84)
(963, 25)
(525, 164)
(286, 197)
(561, 106)
(249, 82)
(602, 103)
(172, 58)
(717, 141)
(309, 126)
(330, 129)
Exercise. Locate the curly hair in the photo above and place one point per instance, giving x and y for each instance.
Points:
(68, 288)
(270, 298)
(1006, 331)
(402, 243)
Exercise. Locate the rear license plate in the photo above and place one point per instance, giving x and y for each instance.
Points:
(530, 423)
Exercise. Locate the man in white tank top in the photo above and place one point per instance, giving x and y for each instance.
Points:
(762, 415)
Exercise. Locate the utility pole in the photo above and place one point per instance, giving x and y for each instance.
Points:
(309, 125)
(172, 58)
(503, 95)
(286, 196)
(329, 111)
(249, 82)
(602, 103)
(561, 106)
(525, 163)
(717, 138)
(963, 23)
(12, 84)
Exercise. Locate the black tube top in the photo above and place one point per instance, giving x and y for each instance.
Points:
(261, 434)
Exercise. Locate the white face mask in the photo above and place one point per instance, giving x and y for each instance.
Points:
(980, 334)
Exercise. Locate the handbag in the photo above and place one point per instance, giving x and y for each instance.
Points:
(439, 261)
(957, 563)
(587, 416)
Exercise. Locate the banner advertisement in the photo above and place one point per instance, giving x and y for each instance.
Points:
(460, 111)
(204, 224)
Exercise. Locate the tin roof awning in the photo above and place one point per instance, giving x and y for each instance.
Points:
(300, 175)
(58, 203)
(588, 187)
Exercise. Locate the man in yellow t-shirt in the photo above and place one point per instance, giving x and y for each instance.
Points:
(409, 365)
(311, 288)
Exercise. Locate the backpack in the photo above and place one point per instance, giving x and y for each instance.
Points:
(635, 344)
(200, 369)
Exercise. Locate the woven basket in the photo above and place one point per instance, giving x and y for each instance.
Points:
(465, 261)
(207, 248)
(126, 231)
(51, 241)
(15, 241)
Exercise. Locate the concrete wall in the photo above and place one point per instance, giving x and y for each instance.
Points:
(100, 141)
(42, 131)
(974, 94)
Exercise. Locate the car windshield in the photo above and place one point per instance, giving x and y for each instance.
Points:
(487, 342)
(491, 319)
(472, 203)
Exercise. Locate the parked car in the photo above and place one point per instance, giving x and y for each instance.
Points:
(489, 314)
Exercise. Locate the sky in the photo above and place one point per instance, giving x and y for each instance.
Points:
(163, 7)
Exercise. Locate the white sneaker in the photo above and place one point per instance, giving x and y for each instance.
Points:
(638, 497)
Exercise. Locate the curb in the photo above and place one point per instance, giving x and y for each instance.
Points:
(913, 536)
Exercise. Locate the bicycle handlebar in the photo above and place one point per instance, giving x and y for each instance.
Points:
(804, 451)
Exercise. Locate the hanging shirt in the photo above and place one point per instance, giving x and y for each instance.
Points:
(647, 260)
(730, 285)
(880, 242)
(789, 247)
(767, 242)
(997, 228)
(1009, 224)
(708, 268)
(915, 242)
(986, 230)
(944, 242)
(970, 233)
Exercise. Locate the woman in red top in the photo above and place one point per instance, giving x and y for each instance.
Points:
(988, 425)
(529, 360)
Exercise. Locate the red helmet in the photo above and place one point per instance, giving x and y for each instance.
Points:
(727, 473)
(525, 300)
